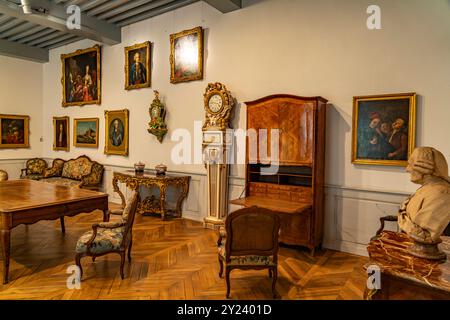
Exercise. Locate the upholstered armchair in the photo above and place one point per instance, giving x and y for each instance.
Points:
(34, 169)
(3, 175)
(249, 241)
(109, 237)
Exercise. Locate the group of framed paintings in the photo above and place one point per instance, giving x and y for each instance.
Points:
(81, 70)
(86, 132)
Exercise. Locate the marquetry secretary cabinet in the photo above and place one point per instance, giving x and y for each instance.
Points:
(294, 187)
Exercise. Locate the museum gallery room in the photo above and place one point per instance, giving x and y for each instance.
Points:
(224, 150)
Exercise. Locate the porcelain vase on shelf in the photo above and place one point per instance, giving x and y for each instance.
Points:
(160, 169)
(139, 168)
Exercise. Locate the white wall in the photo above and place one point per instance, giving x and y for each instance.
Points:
(320, 47)
(21, 89)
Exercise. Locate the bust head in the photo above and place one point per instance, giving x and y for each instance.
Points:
(427, 161)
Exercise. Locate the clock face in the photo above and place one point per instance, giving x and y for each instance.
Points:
(215, 103)
(155, 112)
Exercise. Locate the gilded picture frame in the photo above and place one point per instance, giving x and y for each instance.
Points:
(85, 132)
(14, 131)
(138, 73)
(61, 133)
(184, 66)
(81, 77)
(384, 129)
(116, 132)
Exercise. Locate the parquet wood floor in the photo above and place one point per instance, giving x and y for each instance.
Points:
(174, 259)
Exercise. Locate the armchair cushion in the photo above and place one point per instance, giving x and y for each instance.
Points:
(246, 260)
(105, 241)
(33, 176)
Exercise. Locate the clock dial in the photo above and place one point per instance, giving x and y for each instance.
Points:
(215, 103)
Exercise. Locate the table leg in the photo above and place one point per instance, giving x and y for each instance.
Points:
(106, 215)
(162, 203)
(6, 243)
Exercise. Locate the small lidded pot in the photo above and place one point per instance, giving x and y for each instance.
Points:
(139, 167)
(160, 169)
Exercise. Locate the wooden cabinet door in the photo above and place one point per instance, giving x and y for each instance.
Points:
(297, 133)
(259, 118)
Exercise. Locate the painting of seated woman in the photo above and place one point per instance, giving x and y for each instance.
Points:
(81, 77)
(383, 129)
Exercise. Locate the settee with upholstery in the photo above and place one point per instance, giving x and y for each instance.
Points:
(34, 169)
(80, 172)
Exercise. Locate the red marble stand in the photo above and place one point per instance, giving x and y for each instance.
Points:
(404, 276)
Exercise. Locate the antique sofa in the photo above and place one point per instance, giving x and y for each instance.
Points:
(80, 172)
(34, 169)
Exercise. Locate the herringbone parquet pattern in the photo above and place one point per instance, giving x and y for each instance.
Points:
(175, 259)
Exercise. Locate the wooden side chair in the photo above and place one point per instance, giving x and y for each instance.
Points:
(109, 237)
(249, 241)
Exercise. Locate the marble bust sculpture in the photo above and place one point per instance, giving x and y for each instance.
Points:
(425, 215)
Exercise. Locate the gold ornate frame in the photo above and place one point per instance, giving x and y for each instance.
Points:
(85, 145)
(147, 46)
(411, 127)
(109, 115)
(66, 119)
(173, 37)
(96, 49)
(26, 132)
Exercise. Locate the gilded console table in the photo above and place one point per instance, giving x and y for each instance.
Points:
(152, 204)
(404, 276)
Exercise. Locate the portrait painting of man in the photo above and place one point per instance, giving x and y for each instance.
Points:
(137, 66)
(186, 58)
(14, 131)
(61, 133)
(116, 136)
(383, 129)
(81, 77)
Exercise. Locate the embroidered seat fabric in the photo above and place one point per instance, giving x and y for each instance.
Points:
(246, 260)
(105, 241)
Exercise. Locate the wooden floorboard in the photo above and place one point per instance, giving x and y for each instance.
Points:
(174, 259)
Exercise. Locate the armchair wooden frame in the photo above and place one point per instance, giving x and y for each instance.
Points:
(229, 252)
(127, 241)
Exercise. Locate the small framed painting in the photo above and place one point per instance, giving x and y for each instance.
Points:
(61, 133)
(137, 66)
(14, 131)
(383, 129)
(81, 77)
(85, 132)
(186, 55)
(116, 132)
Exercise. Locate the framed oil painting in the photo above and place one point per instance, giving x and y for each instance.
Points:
(116, 132)
(137, 66)
(14, 131)
(81, 77)
(85, 132)
(186, 55)
(61, 133)
(383, 129)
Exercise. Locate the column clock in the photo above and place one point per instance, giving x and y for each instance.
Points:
(217, 142)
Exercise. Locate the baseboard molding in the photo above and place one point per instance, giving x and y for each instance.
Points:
(348, 247)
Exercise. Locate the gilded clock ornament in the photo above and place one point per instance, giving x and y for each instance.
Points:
(157, 112)
(218, 105)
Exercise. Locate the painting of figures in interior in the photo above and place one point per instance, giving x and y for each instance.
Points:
(61, 133)
(383, 129)
(81, 77)
(116, 132)
(137, 66)
(85, 132)
(186, 55)
(14, 131)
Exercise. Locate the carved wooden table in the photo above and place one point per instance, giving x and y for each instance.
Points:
(29, 201)
(404, 276)
(149, 180)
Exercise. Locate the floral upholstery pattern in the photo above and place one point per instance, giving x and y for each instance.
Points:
(105, 241)
(55, 170)
(36, 166)
(246, 260)
(77, 168)
(95, 177)
(63, 181)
